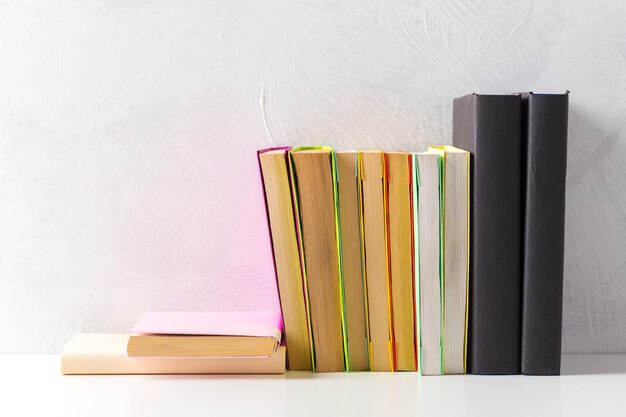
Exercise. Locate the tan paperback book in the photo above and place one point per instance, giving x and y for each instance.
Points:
(275, 172)
(352, 261)
(399, 197)
(315, 193)
(373, 183)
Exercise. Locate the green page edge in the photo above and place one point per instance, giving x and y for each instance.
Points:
(362, 252)
(416, 179)
(441, 160)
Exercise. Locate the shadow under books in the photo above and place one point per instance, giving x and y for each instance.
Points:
(226, 377)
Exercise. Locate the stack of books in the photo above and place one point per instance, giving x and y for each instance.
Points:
(372, 256)
(183, 342)
(518, 144)
(446, 261)
(443, 262)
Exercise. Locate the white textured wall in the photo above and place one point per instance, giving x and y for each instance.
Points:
(128, 132)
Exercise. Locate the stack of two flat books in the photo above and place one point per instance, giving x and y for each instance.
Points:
(182, 342)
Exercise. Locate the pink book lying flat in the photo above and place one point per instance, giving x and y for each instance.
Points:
(106, 354)
(206, 333)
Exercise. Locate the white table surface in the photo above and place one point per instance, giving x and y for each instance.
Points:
(591, 385)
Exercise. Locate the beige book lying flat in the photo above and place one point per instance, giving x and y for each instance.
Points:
(106, 354)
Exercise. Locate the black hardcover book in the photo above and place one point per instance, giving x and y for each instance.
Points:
(545, 148)
(489, 126)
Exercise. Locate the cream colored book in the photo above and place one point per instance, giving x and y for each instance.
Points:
(429, 256)
(314, 173)
(372, 173)
(400, 217)
(275, 171)
(94, 354)
(456, 256)
(352, 261)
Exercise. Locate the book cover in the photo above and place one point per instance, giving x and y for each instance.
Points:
(489, 127)
(545, 118)
(215, 323)
(278, 189)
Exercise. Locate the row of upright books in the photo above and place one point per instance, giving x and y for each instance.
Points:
(444, 262)
(372, 256)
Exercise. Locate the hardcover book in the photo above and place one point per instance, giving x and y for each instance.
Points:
(489, 127)
(545, 150)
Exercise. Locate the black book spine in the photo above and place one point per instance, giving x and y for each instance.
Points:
(545, 143)
(489, 127)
